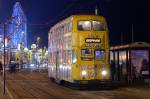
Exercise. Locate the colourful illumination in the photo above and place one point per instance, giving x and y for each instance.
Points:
(18, 27)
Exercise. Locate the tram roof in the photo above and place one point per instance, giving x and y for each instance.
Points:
(131, 45)
(70, 18)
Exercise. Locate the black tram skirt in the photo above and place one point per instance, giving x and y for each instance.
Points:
(98, 83)
(92, 81)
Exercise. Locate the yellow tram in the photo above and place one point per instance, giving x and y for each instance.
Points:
(78, 49)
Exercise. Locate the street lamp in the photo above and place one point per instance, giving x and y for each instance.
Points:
(38, 42)
(25, 49)
(4, 36)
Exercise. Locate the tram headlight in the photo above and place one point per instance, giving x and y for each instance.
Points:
(83, 73)
(104, 73)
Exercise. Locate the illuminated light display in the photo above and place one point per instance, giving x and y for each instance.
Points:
(18, 27)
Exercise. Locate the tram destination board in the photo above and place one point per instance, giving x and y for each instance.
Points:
(93, 40)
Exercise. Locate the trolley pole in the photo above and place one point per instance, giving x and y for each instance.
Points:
(4, 78)
(96, 11)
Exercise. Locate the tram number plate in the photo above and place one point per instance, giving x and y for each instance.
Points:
(94, 45)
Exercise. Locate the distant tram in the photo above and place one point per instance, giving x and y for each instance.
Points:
(78, 49)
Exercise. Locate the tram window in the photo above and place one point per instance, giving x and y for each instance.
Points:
(98, 25)
(84, 25)
(70, 27)
(74, 57)
(99, 55)
(86, 52)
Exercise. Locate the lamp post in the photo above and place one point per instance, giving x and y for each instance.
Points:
(37, 53)
(4, 76)
(4, 54)
(26, 56)
(38, 42)
(4, 61)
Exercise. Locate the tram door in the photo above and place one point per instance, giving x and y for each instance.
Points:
(57, 65)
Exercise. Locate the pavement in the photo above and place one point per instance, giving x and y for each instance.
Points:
(2, 95)
(36, 85)
(143, 90)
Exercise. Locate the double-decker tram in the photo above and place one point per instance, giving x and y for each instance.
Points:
(78, 50)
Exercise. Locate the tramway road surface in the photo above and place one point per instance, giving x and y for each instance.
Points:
(36, 85)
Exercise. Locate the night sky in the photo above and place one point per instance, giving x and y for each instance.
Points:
(120, 15)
